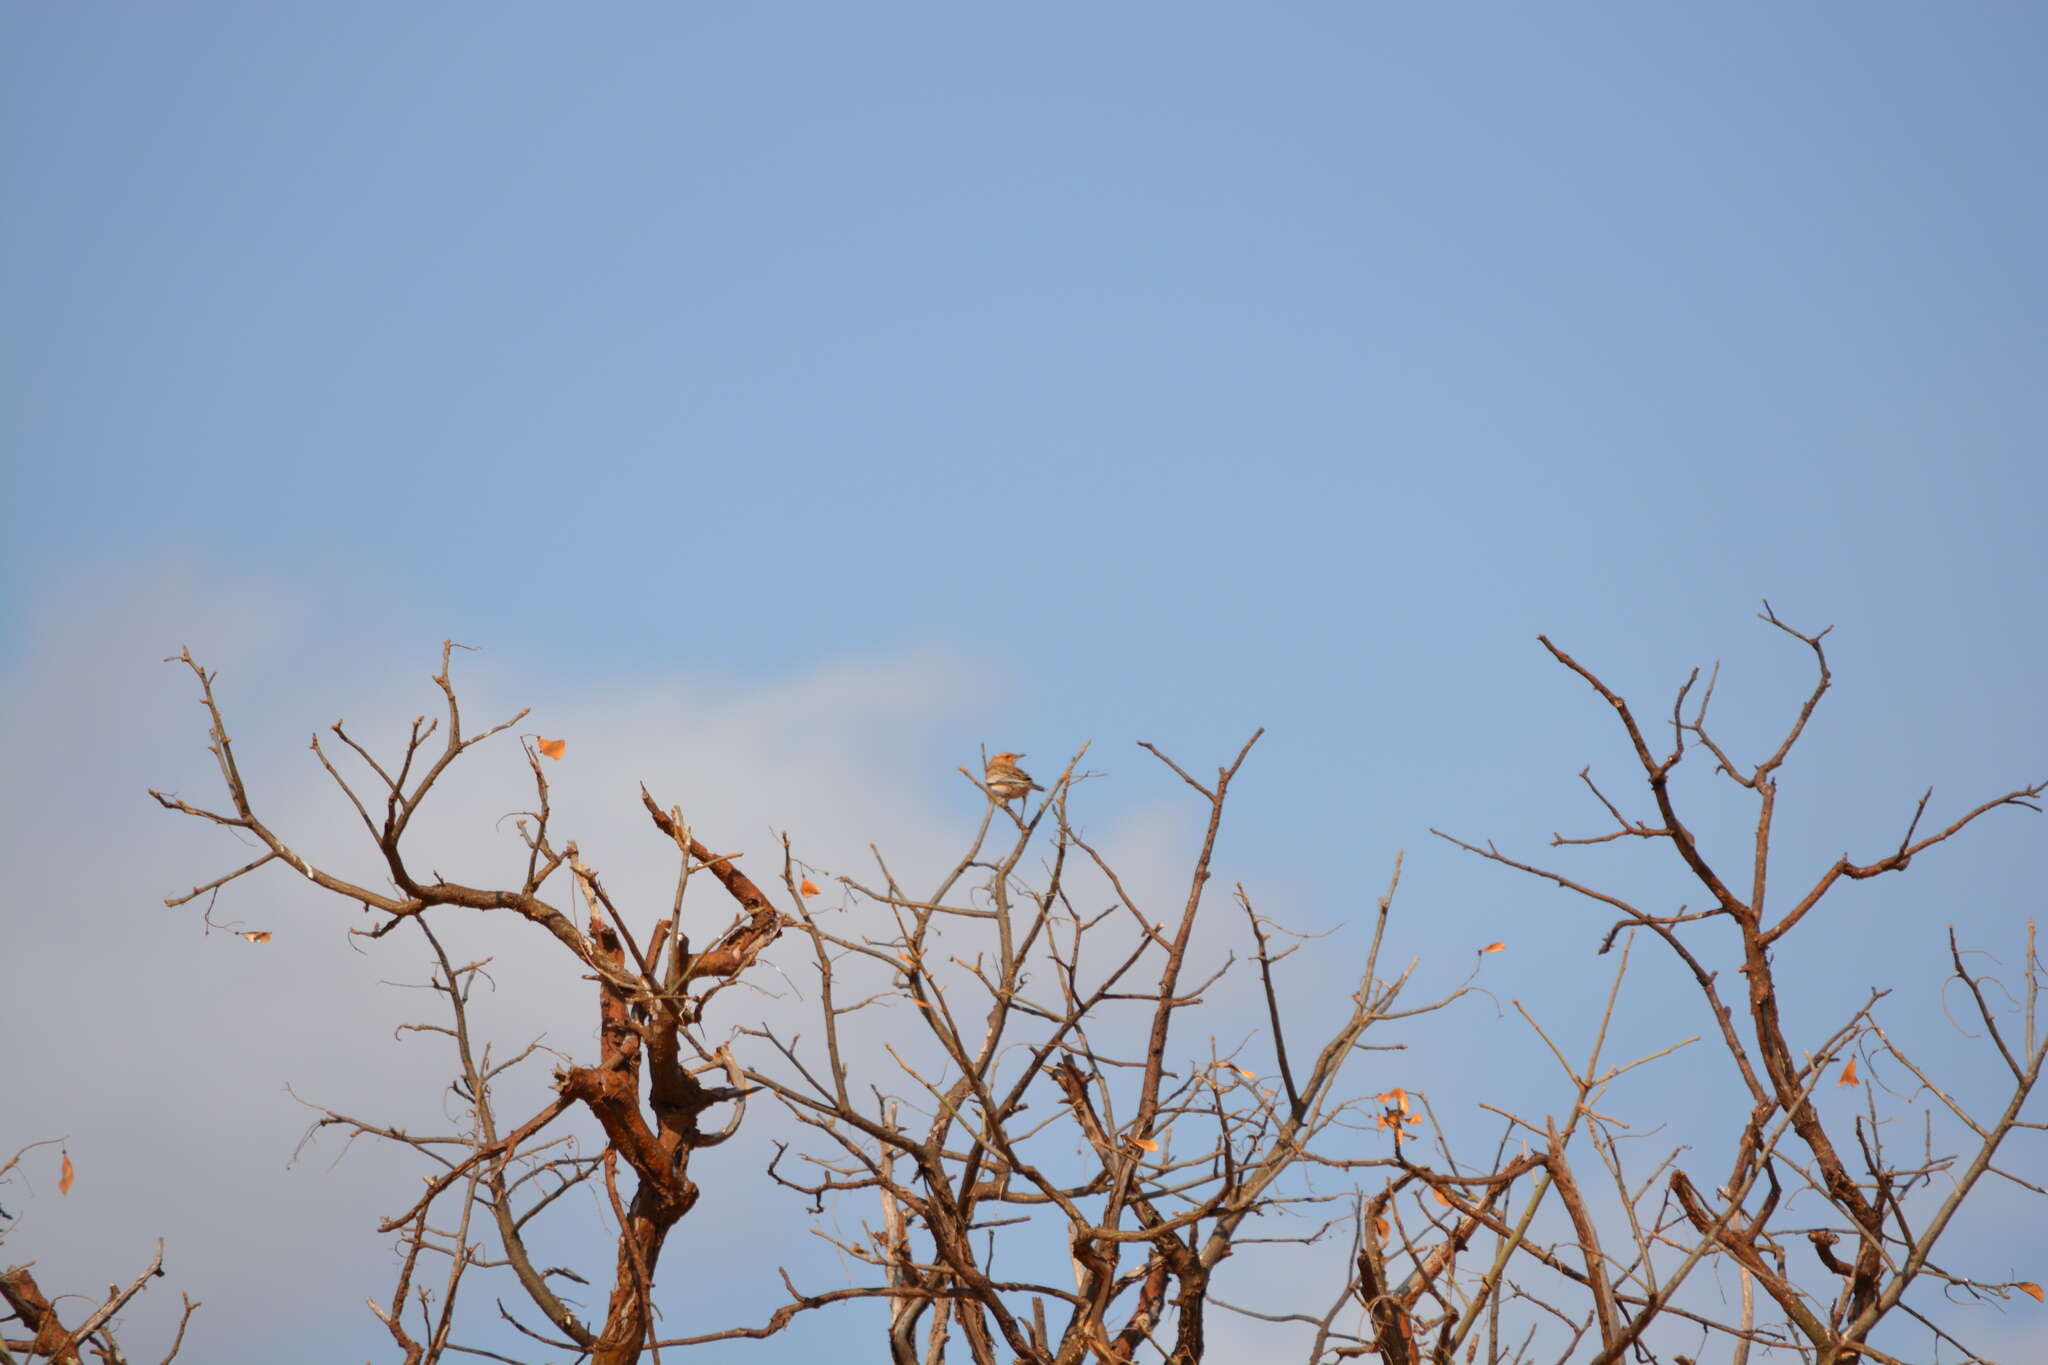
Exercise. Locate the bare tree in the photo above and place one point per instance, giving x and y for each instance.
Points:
(1620, 1271)
(648, 1090)
(1036, 1104)
(1063, 1113)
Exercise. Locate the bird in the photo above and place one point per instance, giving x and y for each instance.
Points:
(1006, 781)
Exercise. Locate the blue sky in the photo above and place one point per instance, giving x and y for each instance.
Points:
(948, 376)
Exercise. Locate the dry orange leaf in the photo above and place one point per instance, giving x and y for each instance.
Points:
(553, 748)
(1147, 1143)
(1494, 947)
(809, 887)
(1415, 1118)
(2030, 1288)
(65, 1175)
(1380, 1228)
(1442, 1198)
(1246, 1074)
(1398, 1095)
(256, 935)
(1848, 1073)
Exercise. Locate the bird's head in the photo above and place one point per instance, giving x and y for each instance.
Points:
(1005, 758)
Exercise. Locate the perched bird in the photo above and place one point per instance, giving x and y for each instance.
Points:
(1006, 781)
